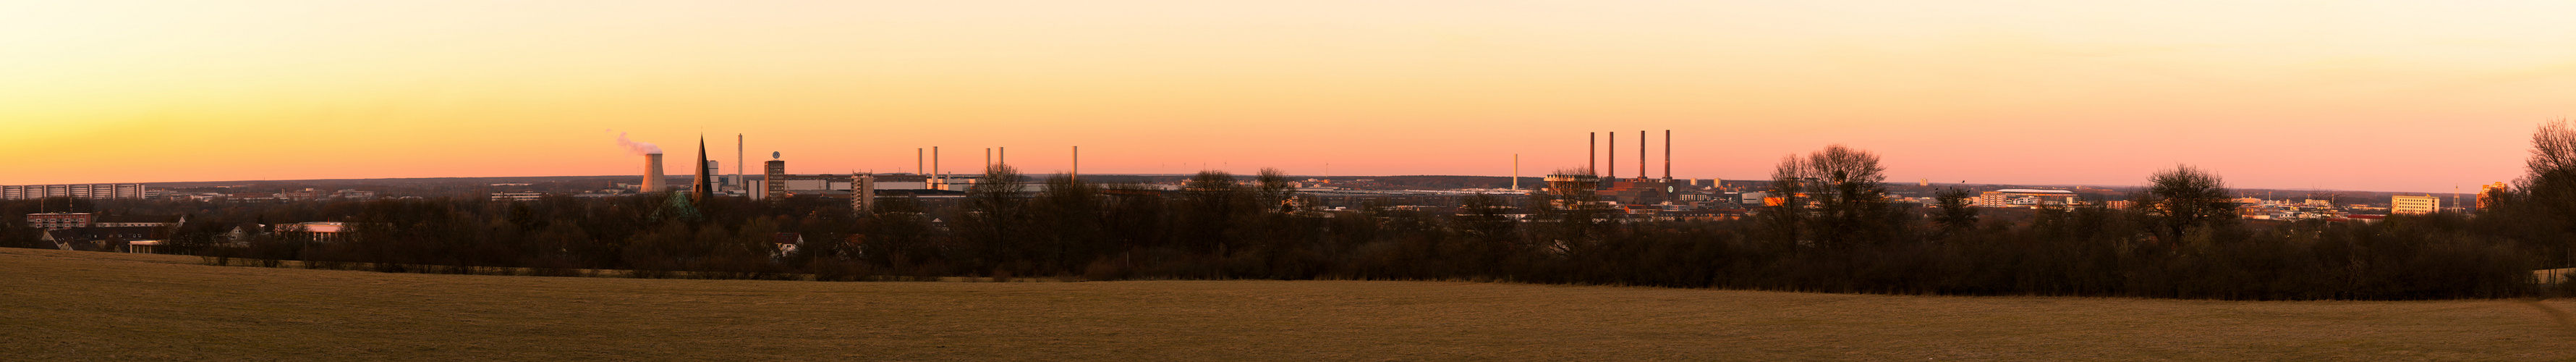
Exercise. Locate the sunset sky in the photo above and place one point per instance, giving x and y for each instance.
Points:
(2349, 95)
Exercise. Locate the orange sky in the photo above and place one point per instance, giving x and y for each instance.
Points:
(2390, 96)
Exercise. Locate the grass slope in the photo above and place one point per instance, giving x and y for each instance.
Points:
(58, 305)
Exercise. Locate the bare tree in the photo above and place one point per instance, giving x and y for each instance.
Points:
(995, 216)
(2544, 200)
(2184, 198)
(2553, 147)
(1572, 211)
(1833, 198)
(1274, 190)
(1211, 206)
(1070, 216)
(2549, 184)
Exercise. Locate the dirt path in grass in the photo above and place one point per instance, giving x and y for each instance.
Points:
(2565, 321)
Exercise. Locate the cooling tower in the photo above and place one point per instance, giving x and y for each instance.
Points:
(652, 173)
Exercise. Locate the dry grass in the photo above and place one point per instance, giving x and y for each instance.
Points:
(57, 305)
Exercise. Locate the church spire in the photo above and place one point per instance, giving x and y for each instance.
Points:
(701, 189)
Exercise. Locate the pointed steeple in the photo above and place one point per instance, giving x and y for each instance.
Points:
(700, 190)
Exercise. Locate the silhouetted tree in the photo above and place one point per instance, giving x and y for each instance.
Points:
(994, 218)
(2182, 199)
(1569, 212)
(1073, 216)
(897, 234)
(1490, 235)
(1834, 199)
(1211, 206)
(2539, 210)
(1957, 211)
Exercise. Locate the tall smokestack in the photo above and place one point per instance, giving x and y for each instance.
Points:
(1614, 157)
(921, 163)
(1668, 155)
(1641, 155)
(737, 164)
(1077, 164)
(1592, 154)
(934, 169)
(652, 172)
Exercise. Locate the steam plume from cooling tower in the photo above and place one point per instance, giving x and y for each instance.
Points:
(636, 148)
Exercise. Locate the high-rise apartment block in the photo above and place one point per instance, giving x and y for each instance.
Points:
(2487, 193)
(773, 179)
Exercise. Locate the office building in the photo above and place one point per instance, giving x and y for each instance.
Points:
(2413, 205)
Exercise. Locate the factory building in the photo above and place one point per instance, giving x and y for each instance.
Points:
(1641, 191)
(86, 191)
(60, 221)
(775, 182)
(102, 238)
(1563, 184)
(2029, 198)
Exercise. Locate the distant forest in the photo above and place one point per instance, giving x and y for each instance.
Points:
(1836, 231)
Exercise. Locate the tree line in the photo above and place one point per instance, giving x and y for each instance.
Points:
(1835, 230)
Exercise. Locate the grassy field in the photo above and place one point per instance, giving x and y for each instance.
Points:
(59, 305)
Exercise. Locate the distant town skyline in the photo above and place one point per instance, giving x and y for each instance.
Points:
(2407, 96)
